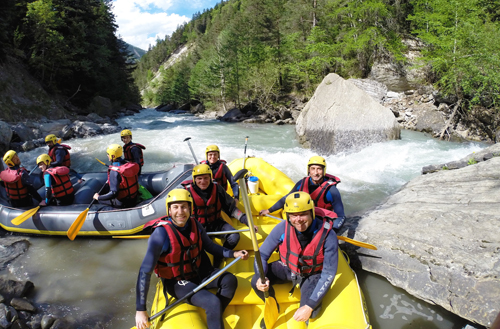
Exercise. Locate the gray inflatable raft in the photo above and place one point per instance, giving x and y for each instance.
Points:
(101, 220)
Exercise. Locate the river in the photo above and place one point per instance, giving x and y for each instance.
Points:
(93, 280)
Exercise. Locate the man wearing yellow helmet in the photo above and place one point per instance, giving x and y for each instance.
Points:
(17, 182)
(122, 186)
(220, 171)
(59, 153)
(58, 186)
(308, 249)
(175, 253)
(210, 199)
(323, 190)
(132, 151)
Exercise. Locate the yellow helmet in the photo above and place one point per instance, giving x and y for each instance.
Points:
(299, 202)
(126, 132)
(202, 169)
(211, 148)
(114, 151)
(178, 195)
(51, 138)
(7, 158)
(45, 158)
(317, 160)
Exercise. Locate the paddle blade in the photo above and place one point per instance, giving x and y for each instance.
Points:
(357, 243)
(270, 312)
(24, 216)
(77, 224)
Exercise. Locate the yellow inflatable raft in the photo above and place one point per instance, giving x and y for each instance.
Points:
(343, 307)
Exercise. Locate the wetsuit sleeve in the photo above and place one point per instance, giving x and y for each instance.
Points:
(211, 246)
(48, 187)
(77, 175)
(270, 244)
(136, 154)
(234, 185)
(227, 202)
(25, 179)
(60, 153)
(334, 198)
(281, 202)
(114, 183)
(156, 243)
(329, 271)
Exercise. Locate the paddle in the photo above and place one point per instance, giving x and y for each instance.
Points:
(195, 290)
(101, 162)
(24, 216)
(28, 213)
(270, 305)
(208, 233)
(343, 238)
(192, 152)
(245, 152)
(78, 223)
(32, 170)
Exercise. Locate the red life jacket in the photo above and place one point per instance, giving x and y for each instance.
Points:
(318, 196)
(206, 213)
(219, 176)
(62, 185)
(66, 160)
(184, 258)
(308, 261)
(128, 152)
(13, 183)
(129, 186)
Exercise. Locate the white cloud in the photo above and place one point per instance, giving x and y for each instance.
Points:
(136, 24)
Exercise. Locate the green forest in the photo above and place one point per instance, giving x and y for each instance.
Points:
(258, 50)
(70, 47)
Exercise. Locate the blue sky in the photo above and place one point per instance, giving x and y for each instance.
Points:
(141, 22)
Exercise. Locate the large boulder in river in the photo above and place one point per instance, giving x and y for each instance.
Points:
(340, 117)
(438, 239)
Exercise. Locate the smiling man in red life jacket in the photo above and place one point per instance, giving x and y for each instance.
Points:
(220, 171)
(58, 185)
(132, 151)
(323, 190)
(308, 249)
(209, 200)
(176, 253)
(17, 182)
(122, 187)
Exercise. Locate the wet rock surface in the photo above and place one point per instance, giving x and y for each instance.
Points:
(438, 239)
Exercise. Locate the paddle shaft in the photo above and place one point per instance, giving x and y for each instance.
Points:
(32, 170)
(340, 237)
(195, 290)
(192, 152)
(245, 152)
(253, 235)
(147, 236)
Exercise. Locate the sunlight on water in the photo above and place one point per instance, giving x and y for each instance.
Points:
(84, 273)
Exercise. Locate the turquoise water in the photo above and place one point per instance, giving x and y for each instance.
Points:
(86, 278)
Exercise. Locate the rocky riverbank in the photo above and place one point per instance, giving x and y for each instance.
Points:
(29, 134)
(17, 308)
(437, 238)
(421, 109)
